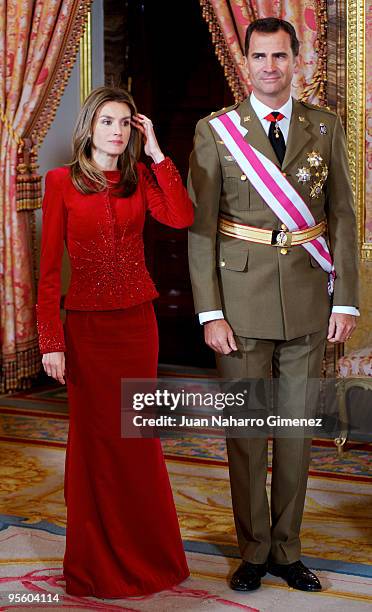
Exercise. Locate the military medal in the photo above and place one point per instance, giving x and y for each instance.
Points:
(303, 175)
(315, 159)
(315, 191)
(279, 194)
(323, 129)
(315, 173)
(274, 118)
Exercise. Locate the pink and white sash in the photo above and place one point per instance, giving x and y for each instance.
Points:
(273, 187)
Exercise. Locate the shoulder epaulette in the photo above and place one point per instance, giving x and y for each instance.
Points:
(223, 110)
(325, 109)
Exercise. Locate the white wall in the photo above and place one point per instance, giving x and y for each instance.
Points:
(56, 147)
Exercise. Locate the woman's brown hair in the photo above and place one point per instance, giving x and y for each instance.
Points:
(85, 175)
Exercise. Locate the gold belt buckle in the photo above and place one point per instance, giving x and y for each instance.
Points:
(281, 238)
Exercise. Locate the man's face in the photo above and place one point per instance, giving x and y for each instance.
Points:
(271, 64)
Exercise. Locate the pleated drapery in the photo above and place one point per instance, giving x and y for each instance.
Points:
(39, 41)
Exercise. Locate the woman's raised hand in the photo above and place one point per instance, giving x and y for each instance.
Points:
(54, 365)
(144, 125)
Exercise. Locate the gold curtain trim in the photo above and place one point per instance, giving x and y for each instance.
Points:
(28, 182)
(318, 85)
(29, 192)
(47, 108)
(222, 51)
(21, 370)
(8, 125)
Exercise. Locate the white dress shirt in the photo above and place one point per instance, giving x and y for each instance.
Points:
(262, 111)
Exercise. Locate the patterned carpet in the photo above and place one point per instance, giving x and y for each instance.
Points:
(335, 535)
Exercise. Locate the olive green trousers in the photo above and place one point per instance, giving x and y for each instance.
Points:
(272, 531)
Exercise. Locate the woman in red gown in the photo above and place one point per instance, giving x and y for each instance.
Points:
(122, 535)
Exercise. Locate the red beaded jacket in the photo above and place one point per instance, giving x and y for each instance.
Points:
(103, 235)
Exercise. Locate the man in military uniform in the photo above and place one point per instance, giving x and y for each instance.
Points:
(259, 169)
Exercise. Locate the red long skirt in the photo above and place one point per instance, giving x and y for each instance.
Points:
(122, 535)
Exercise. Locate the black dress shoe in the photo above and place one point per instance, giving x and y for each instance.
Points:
(296, 575)
(248, 576)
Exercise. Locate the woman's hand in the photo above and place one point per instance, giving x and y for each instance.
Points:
(54, 365)
(144, 125)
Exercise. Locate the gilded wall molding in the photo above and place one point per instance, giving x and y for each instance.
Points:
(356, 113)
(86, 60)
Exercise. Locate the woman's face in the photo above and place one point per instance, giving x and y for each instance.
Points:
(111, 128)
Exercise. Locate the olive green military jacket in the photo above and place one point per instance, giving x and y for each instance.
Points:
(263, 292)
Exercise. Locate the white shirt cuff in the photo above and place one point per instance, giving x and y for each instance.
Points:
(211, 315)
(346, 310)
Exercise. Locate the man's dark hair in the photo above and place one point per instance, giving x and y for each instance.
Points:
(270, 25)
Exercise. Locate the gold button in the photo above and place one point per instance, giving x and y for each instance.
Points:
(222, 263)
(243, 177)
(284, 251)
(283, 227)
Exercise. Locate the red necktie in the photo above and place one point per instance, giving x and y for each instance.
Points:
(275, 135)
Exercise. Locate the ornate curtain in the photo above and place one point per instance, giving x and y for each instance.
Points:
(336, 57)
(228, 21)
(39, 41)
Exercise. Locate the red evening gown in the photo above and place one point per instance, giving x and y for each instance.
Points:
(122, 535)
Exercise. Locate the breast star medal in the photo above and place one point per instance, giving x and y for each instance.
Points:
(323, 129)
(314, 159)
(303, 175)
(315, 173)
